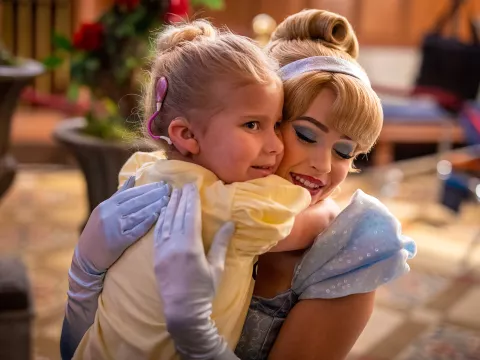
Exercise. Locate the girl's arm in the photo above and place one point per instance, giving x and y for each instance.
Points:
(323, 328)
(308, 224)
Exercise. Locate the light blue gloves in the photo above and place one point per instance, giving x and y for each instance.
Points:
(188, 279)
(113, 226)
(118, 222)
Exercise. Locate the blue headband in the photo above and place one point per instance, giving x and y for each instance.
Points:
(323, 63)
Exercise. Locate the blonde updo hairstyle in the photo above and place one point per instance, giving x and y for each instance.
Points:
(195, 57)
(356, 112)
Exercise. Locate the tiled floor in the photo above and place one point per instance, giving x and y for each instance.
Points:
(39, 219)
(430, 314)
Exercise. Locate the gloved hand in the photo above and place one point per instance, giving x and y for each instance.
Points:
(188, 279)
(113, 226)
(118, 222)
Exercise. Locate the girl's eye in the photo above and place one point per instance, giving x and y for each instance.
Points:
(277, 126)
(302, 137)
(252, 125)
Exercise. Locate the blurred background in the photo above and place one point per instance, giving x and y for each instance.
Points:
(69, 89)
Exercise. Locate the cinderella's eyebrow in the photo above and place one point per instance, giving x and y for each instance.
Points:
(314, 122)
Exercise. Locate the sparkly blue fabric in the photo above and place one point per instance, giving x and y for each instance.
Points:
(362, 249)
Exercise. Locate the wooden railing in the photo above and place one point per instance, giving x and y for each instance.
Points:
(26, 28)
(376, 22)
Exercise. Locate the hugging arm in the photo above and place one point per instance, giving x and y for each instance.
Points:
(113, 226)
(323, 328)
(188, 279)
(362, 250)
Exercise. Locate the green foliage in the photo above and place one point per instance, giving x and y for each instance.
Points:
(106, 57)
(212, 4)
(6, 58)
(106, 122)
(52, 62)
(73, 91)
(60, 42)
(108, 128)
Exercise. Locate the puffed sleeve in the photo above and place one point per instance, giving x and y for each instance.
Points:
(137, 162)
(362, 249)
(264, 211)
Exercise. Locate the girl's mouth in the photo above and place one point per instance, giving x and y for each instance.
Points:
(310, 183)
(264, 170)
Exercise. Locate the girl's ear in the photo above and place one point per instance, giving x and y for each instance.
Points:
(181, 134)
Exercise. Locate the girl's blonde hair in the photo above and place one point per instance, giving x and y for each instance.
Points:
(195, 57)
(357, 112)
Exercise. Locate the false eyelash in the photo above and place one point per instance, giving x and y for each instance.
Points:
(304, 138)
(344, 156)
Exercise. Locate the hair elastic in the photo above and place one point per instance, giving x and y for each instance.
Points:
(160, 92)
(323, 63)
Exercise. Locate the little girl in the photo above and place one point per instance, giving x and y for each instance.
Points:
(216, 99)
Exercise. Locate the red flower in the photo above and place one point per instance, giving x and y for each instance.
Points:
(89, 37)
(129, 4)
(177, 10)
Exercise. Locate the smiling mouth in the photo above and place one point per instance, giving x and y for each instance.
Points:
(266, 170)
(308, 182)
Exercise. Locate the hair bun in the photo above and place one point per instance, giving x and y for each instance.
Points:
(331, 29)
(176, 35)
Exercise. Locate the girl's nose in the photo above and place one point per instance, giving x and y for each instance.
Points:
(274, 144)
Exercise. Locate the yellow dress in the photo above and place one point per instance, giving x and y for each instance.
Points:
(129, 323)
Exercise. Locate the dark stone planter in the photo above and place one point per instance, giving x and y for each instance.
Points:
(16, 310)
(99, 160)
(13, 80)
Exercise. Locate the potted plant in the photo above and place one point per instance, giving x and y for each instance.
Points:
(16, 312)
(107, 58)
(15, 74)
